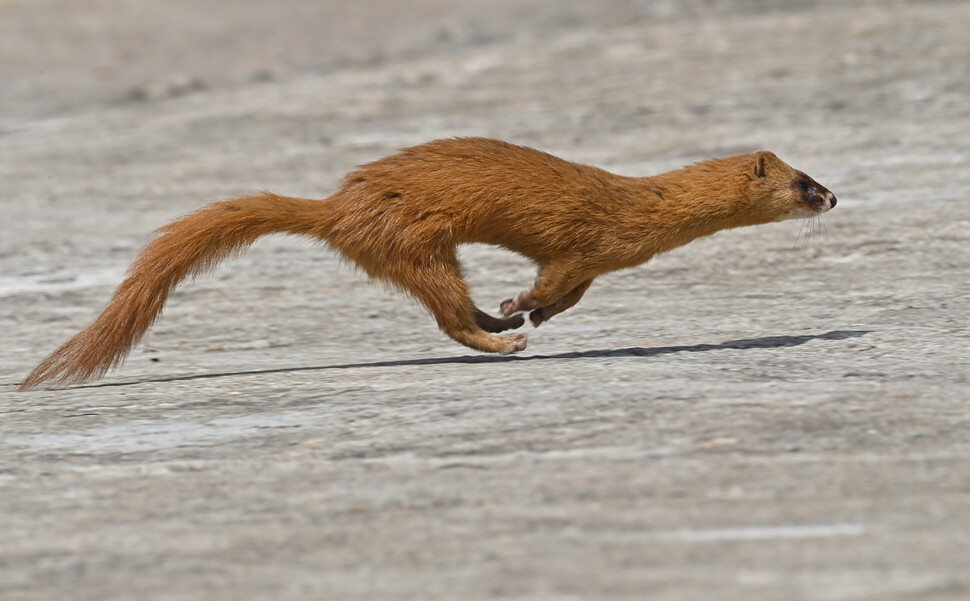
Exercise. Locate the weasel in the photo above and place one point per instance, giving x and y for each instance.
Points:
(401, 217)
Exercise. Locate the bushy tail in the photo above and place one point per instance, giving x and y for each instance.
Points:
(186, 247)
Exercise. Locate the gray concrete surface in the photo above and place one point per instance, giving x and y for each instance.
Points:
(771, 413)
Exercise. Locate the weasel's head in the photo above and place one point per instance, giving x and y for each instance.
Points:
(786, 193)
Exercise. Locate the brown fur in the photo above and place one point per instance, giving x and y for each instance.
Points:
(401, 217)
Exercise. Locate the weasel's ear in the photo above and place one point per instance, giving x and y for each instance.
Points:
(760, 164)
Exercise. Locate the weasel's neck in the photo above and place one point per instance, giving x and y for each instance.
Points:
(687, 204)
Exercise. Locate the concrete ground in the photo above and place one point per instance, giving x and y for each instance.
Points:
(778, 412)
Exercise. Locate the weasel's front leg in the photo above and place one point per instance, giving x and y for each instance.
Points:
(555, 283)
(542, 314)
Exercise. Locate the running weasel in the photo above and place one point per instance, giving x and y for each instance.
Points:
(401, 217)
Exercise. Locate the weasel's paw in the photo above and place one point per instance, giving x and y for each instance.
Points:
(537, 317)
(509, 306)
(514, 322)
(499, 324)
(521, 302)
(513, 344)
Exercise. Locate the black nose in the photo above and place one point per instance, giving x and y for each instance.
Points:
(834, 200)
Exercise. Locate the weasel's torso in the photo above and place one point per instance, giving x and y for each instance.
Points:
(481, 190)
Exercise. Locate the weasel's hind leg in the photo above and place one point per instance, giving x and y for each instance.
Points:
(438, 285)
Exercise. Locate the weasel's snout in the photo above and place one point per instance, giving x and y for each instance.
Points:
(823, 200)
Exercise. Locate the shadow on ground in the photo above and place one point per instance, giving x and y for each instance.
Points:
(744, 343)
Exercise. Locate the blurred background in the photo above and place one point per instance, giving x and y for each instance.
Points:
(769, 413)
(64, 54)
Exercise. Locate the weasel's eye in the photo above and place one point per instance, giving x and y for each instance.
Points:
(803, 185)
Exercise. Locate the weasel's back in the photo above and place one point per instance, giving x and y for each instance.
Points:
(481, 190)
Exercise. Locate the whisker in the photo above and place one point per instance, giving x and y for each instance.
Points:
(791, 230)
(801, 238)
